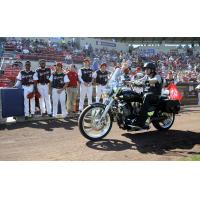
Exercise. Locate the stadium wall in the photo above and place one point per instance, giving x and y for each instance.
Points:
(109, 44)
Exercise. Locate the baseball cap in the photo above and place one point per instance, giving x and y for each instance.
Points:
(42, 60)
(59, 64)
(86, 60)
(103, 64)
(28, 62)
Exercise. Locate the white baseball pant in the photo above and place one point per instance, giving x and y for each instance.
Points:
(45, 98)
(59, 97)
(27, 90)
(83, 91)
(99, 91)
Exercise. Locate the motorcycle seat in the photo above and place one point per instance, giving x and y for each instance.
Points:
(152, 108)
(163, 97)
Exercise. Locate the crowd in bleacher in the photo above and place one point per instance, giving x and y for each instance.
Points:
(185, 65)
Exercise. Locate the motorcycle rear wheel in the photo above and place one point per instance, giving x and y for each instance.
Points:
(165, 124)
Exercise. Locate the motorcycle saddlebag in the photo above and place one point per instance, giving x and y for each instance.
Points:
(172, 106)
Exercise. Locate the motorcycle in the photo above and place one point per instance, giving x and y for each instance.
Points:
(123, 104)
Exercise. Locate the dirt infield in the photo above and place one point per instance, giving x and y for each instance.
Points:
(61, 140)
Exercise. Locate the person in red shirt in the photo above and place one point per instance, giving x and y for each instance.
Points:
(72, 89)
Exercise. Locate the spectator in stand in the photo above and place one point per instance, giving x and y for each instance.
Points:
(169, 79)
(72, 89)
(129, 62)
(25, 51)
(193, 78)
(18, 63)
(197, 68)
(126, 75)
(95, 64)
(68, 59)
(117, 65)
(137, 74)
(90, 50)
(86, 49)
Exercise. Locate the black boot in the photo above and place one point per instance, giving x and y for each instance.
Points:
(140, 122)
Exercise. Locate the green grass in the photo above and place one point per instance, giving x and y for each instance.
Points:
(193, 158)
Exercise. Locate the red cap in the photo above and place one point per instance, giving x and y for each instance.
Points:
(138, 69)
(59, 64)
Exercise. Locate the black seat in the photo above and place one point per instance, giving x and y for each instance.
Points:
(152, 108)
(163, 97)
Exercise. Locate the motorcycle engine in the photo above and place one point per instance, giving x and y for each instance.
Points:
(125, 115)
(125, 109)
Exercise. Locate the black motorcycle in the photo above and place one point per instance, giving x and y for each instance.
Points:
(123, 105)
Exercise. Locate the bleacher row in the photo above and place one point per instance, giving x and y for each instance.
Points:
(50, 57)
(5, 82)
(9, 47)
(9, 76)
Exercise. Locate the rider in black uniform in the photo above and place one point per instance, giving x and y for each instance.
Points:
(152, 90)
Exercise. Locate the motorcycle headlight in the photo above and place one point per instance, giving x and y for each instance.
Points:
(106, 93)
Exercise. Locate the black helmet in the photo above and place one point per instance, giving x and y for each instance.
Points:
(149, 65)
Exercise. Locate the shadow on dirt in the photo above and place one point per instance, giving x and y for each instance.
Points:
(48, 125)
(153, 142)
(110, 145)
(161, 142)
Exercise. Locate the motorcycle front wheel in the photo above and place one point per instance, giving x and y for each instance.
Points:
(90, 125)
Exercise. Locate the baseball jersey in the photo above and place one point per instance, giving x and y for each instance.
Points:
(42, 75)
(25, 77)
(86, 75)
(101, 77)
(58, 80)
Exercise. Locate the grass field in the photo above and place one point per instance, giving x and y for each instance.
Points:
(193, 158)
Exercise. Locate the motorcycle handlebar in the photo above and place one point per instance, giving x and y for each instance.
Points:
(134, 83)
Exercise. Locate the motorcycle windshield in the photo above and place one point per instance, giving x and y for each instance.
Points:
(115, 78)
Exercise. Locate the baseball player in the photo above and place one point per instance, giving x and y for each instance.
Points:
(59, 82)
(85, 76)
(101, 77)
(41, 77)
(25, 78)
